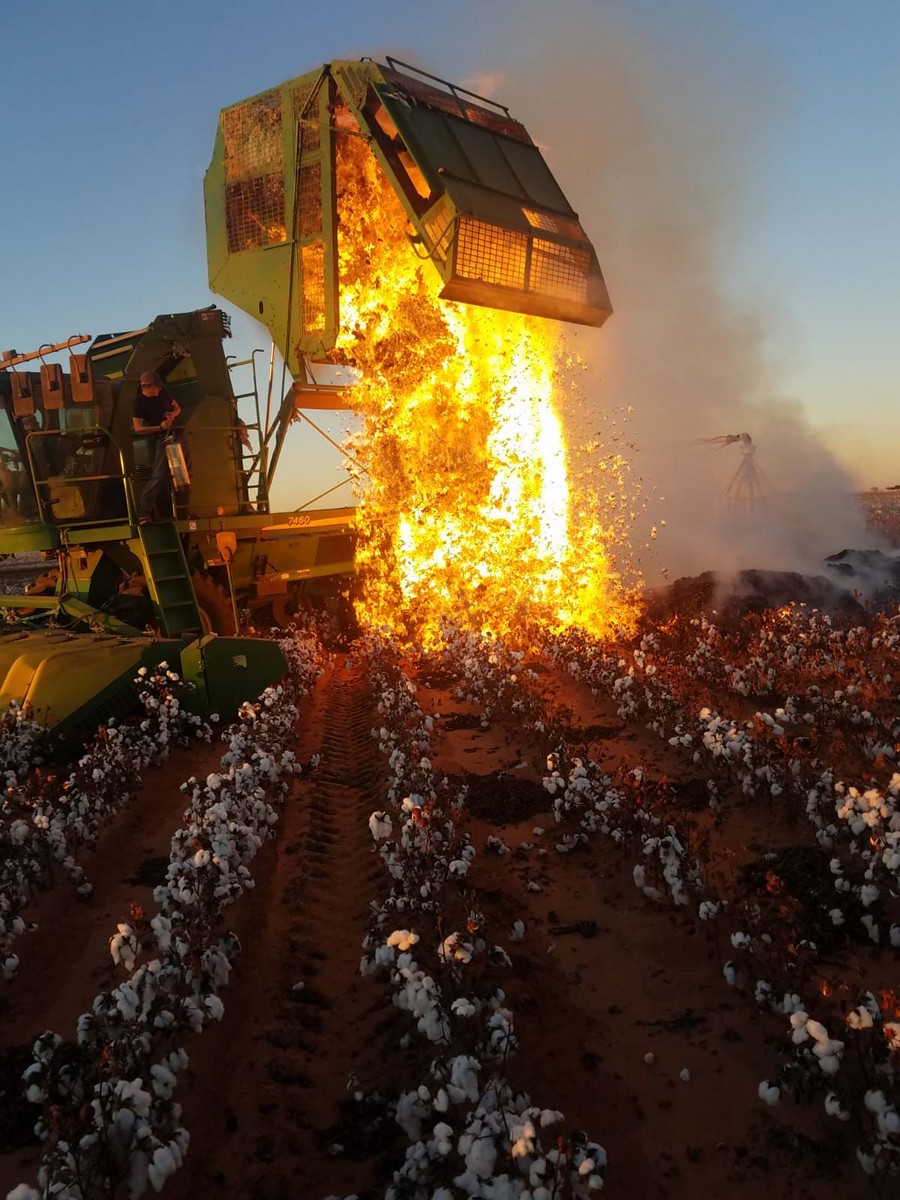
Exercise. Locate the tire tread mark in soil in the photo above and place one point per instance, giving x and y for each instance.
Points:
(312, 1019)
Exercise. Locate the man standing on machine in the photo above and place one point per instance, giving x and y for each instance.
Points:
(155, 412)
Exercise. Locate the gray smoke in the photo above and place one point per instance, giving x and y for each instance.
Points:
(658, 146)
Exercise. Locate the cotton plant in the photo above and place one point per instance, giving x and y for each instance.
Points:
(110, 1119)
(465, 1123)
(48, 814)
(854, 1071)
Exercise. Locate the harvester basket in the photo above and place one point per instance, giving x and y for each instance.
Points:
(483, 205)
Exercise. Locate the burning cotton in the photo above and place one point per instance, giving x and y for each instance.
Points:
(467, 507)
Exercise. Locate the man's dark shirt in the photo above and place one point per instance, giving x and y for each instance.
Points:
(152, 409)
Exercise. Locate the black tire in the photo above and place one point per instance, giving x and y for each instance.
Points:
(286, 607)
(215, 607)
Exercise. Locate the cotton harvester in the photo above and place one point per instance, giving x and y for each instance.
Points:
(482, 207)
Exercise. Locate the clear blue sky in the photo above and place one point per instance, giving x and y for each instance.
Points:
(109, 113)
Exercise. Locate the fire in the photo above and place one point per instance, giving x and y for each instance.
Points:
(467, 510)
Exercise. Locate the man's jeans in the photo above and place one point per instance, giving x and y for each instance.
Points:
(158, 484)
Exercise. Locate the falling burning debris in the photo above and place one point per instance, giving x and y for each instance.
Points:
(467, 506)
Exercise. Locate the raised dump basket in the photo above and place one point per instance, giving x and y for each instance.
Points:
(483, 204)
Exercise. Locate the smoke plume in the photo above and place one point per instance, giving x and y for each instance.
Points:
(658, 147)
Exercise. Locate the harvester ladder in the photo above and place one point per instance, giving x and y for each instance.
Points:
(169, 579)
(251, 463)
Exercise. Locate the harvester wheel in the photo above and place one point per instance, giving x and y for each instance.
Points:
(286, 607)
(214, 605)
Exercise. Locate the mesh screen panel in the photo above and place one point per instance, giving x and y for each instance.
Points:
(559, 270)
(310, 199)
(307, 117)
(312, 266)
(554, 224)
(491, 254)
(254, 185)
(254, 212)
(436, 228)
(358, 80)
(252, 134)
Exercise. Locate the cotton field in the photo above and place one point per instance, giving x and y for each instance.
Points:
(515, 918)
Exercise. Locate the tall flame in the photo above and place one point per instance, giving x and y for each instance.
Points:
(466, 507)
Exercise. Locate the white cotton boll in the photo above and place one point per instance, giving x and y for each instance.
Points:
(23, 1192)
(829, 1064)
(518, 931)
(649, 1058)
(875, 1101)
(380, 825)
(684, 1075)
(872, 928)
(640, 876)
(769, 1092)
(164, 1082)
(10, 966)
(740, 940)
(403, 939)
(730, 974)
(895, 936)
(816, 1030)
(799, 1019)
(441, 1101)
(463, 1008)
(161, 1167)
(837, 917)
(481, 1159)
(442, 1138)
(454, 948)
(866, 1161)
(201, 858)
(122, 946)
(834, 1108)
(860, 1018)
(215, 1007)
(868, 893)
